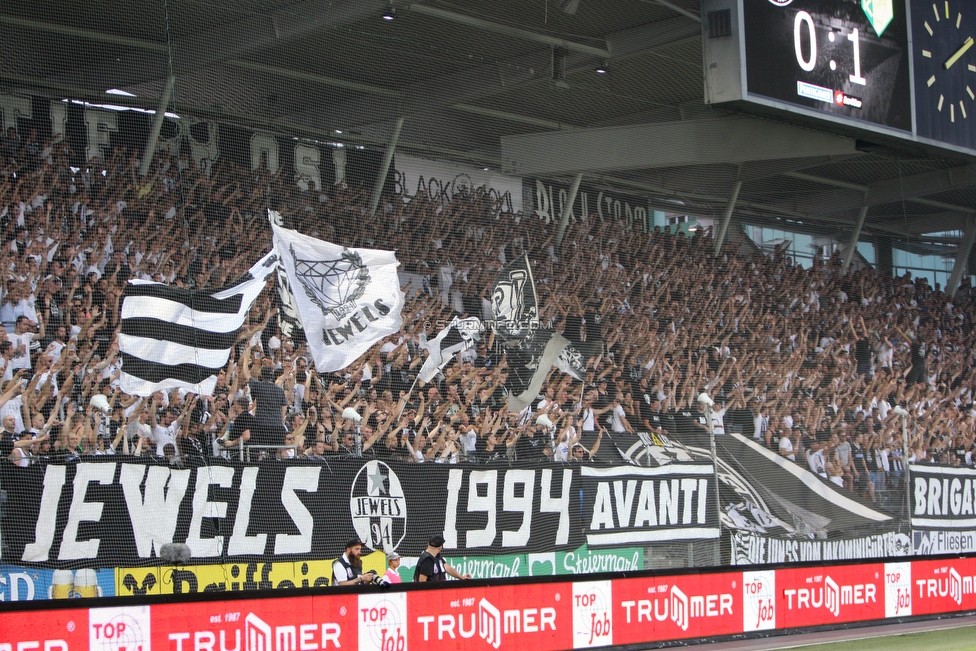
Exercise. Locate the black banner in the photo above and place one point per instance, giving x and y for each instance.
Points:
(793, 501)
(95, 129)
(102, 513)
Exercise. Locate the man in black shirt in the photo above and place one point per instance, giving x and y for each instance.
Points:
(430, 565)
(240, 425)
(270, 412)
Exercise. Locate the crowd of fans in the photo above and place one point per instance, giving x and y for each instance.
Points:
(808, 362)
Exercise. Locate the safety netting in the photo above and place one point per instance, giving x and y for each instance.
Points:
(269, 288)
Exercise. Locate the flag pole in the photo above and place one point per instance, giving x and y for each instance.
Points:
(405, 398)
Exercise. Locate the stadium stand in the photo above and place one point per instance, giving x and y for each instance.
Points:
(808, 362)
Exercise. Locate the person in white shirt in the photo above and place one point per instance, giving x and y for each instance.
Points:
(168, 430)
(6, 354)
(618, 418)
(16, 305)
(817, 461)
(786, 447)
(165, 432)
(468, 435)
(25, 332)
(560, 452)
(57, 346)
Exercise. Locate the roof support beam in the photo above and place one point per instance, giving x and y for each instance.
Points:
(676, 8)
(513, 32)
(514, 117)
(157, 124)
(567, 208)
(852, 244)
(911, 188)
(456, 89)
(727, 217)
(227, 40)
(721, 140)
(708, 206)
(323, 80)
(962, 257)
(82, 33)
(374, 200)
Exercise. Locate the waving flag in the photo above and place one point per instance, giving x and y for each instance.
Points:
(459, 335)
(180, 338)
(530, 351)
(347, 299)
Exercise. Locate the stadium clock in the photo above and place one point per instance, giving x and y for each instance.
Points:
(945, 70)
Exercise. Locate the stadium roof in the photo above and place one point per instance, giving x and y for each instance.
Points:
(474, 80)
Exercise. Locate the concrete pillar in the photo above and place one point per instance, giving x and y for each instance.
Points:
(384, 167)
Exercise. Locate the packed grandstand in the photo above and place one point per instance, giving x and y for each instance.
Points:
(808, 362)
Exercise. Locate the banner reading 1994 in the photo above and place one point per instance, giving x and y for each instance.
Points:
(106, 514)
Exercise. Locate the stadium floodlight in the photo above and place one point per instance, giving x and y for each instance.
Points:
(390, 13)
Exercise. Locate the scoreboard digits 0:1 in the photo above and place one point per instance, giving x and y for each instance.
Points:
(808, 60)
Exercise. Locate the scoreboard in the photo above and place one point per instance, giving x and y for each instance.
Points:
(902, 68)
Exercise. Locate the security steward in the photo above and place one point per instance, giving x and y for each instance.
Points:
(431, 566)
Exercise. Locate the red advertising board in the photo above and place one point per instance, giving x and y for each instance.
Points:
(327, 622)
(58, 630)
(670, 608)
(540, 617)
(943, 586)
(537, 617)
(829, 595)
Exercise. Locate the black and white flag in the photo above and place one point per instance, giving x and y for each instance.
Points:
(514, 304)
(530, 351)
(571, 362)
(289, 322)
(459, 335)
(180, 338)
(347, 299)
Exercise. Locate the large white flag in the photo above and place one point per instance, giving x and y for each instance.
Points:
(348, 299)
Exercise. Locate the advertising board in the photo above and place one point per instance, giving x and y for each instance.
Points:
(545, 615)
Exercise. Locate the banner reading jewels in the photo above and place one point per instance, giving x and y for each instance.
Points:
(102, 513)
